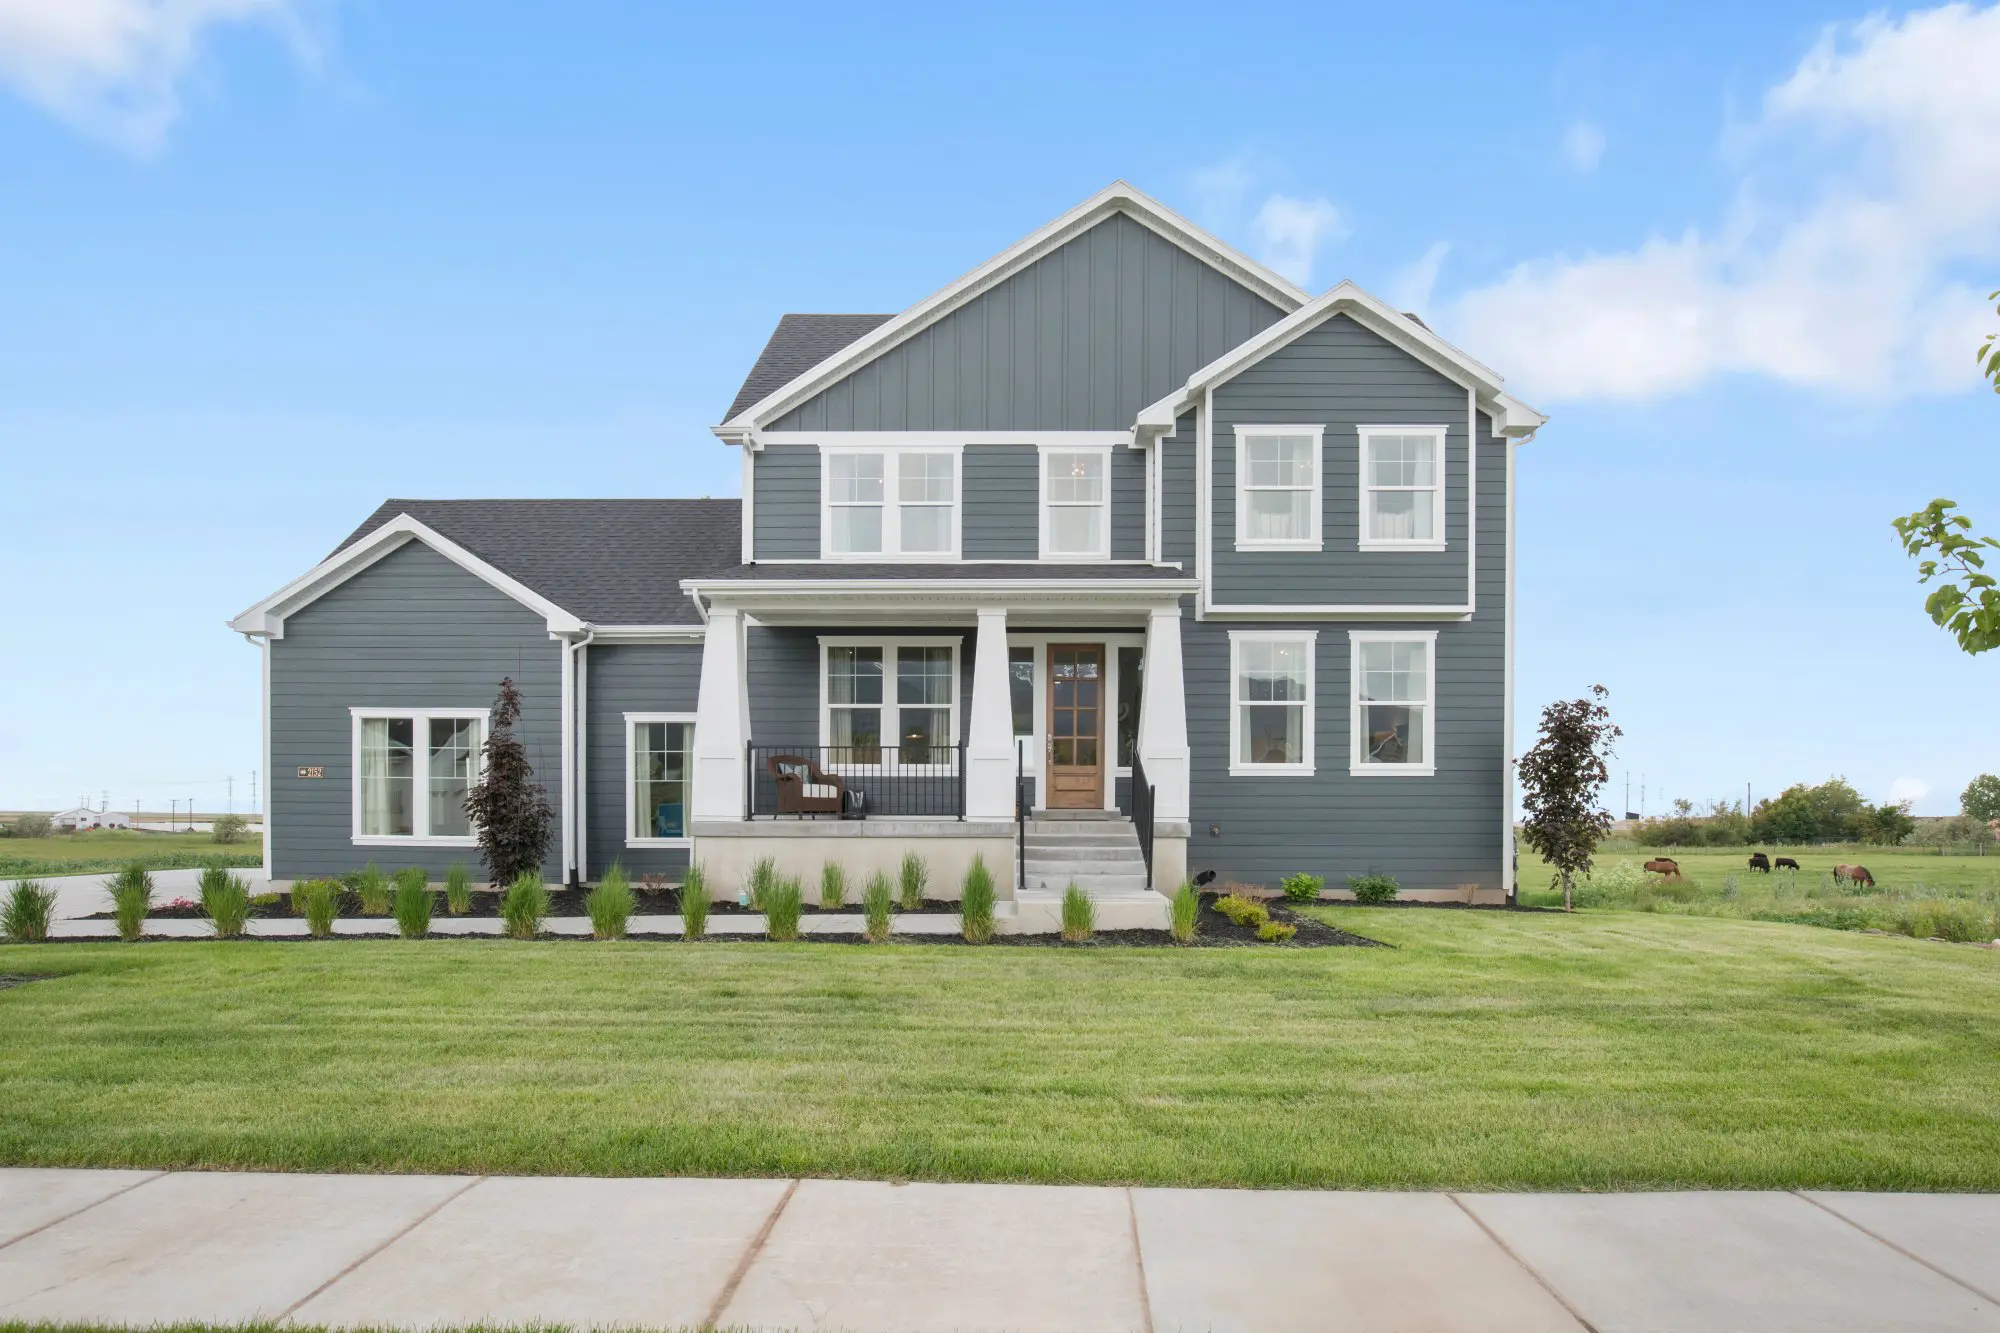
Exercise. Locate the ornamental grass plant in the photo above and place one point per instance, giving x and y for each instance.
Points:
(1184, 913)
(783, 903)
(318, 901)
(1079, 915)
(25, 916)
(226, 900)
(131, 900)
(371, 889)
(976, 903)
(913, 879)
(878, 900)
(609, 905)
(458, 889)
(524, 906)
(413, 904)
(694, 903)
(832, 886)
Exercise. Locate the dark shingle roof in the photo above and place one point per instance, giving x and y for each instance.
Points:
(837, 570)
(799, 343)
(611, 562)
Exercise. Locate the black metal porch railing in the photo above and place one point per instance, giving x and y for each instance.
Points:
(854, 781)
(1024, 799)
(1142, 815)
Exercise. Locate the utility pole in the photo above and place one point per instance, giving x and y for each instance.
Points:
(231, 789)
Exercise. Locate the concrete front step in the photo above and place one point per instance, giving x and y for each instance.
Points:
(1083, 832)
(1083, 851)
(1039, 910)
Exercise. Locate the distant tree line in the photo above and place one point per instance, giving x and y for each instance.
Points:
(1832, 811)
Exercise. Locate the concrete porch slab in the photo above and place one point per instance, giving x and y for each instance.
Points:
(586, 1253)
(1226, 1260)
(32, 1197)
(864, 1255)
(1722, 1262)
(1959, 1233)
(209, 1247)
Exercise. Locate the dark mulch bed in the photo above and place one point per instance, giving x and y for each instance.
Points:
(562, 902)
(1449, 907)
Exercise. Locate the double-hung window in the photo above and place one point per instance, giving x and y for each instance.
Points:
(1271, 702)
(1076, 509)
(1278, 488)
(890, 504)
(1395, 707)
(890, 697)
(412, 771)
(1402, 488)
(659, 768)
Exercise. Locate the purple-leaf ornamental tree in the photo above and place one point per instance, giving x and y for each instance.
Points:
(1561, 777)
(510, 809)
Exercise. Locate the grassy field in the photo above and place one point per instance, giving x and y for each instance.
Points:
(1916, 892)
(100, 850)
(1488, 1050)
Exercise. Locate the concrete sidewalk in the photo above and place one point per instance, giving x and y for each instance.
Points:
(138, 1247)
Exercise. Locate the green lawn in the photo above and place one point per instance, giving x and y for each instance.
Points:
(1489, 1050)
(100, 850)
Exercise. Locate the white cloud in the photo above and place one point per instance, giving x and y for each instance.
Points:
(1908, 789)
(1411, 286)
(1583, 146)
(1871, 171)
(1291, 232)
(113, 68)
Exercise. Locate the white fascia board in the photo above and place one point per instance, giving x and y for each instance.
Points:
(743, 592)
(648, 633)
(1281, 611)
(268, 616)
(1116, 198)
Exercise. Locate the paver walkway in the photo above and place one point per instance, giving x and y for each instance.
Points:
(143, 1247)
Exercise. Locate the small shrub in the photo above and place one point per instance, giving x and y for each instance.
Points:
(832, 886)
(271, 899)
(131, 900)
(371, 886)
(414, 903)
(226, 899)
(1302, 888)
(228, 829)
(876, 901)
(914, 878)
(1079, 914)
(976, 907)
(1185, 907)
(25, 916)
(318, 901)
(1956, 920)
(525, 905)
(1276, 932)
(694, 903)
(32, 826)
(1373, 888)
(609, 905)
(1242, 911)
(783, 902)
(458, 889)
(763, 875)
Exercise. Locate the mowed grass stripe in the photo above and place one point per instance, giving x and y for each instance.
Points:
(1487, 1051)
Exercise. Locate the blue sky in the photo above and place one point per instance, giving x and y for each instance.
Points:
(266, 262)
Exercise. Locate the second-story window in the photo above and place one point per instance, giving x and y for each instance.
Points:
(1278, 488)
(1075, 504)
(892, 503)
(1402, 488)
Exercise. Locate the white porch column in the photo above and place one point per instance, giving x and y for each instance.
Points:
(722, 718)
(989, 737)
(1163, 744)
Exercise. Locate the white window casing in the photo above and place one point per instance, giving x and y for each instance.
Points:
(1402, 472)
(1074, 486)
(1392, 678)
(659, 756)
(884, 502)
(412, 768)
(1280, 487)
(889, 696)
(1272, 706)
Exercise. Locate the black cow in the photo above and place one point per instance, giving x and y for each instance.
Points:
(1759, 861)
(1785, 863)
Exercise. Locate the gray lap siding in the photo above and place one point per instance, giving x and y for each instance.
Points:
(411, 631)
(629, 678)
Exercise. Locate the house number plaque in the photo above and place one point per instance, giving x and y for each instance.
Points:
(312, 771)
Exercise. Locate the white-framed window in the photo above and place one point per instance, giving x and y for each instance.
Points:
(1076, 503)
(1402, 488)
(1394, 723)
(1271, 701)
(882, 503)
(659, 777)
(889, 699)
(1279, 488)
(412, 770)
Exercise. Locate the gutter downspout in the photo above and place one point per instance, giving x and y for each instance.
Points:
(573, 764)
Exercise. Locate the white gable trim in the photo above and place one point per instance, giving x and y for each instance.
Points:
(1117, 198)
(268, 616)
(1512, 418)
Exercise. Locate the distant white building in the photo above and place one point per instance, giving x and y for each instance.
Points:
(83, 817)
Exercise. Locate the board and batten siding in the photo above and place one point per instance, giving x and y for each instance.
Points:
(412, 631)
(1339, 376)
(1434, 832)
(1081, 339)
(629, 678)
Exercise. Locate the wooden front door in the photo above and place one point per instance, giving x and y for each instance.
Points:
(1076, 726)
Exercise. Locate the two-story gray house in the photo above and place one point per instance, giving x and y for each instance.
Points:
(1120, 533)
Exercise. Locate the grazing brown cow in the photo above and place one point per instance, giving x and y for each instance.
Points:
(1759, 861)
(1857, 875)
(1664, 865)
(1785, 863)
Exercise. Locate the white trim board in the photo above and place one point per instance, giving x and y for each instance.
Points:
(1119, 197)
